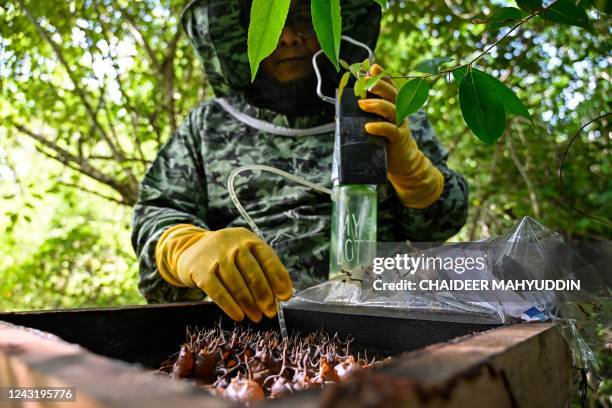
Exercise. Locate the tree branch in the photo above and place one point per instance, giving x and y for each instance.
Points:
(127, 191)
(127, 101)
(118, 201)
(168, 76)
(140, 39)
(111, 158)
(77, 89)
(486, 50)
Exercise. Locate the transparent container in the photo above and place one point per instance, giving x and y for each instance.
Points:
(353, 228)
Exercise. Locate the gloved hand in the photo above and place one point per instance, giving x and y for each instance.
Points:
(237, 269)
(417, 182)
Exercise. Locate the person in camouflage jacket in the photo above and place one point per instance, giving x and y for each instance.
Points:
(187, 182)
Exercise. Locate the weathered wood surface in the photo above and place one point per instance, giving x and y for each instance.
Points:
(31, 358)
(525, 365)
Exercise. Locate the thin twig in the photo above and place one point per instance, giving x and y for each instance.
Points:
(96, 193)
(483, 53)
(80, 164)
(533, 198)
(77, 88)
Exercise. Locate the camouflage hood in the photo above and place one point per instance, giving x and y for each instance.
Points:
(218, 34)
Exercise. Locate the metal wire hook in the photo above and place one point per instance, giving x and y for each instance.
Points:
(318, 73)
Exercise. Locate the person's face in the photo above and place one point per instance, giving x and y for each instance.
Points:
(292, 58)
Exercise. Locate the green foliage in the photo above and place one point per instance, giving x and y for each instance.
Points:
(459, 74)
(410, 98)
(529, 5)
(342, 84)
(327, 23)
(567, 12)
(559, 74)
(360, 88)
(265, 28)
(432, 66)
(605, 6)
(503, 16)
(511, 103)
(65, 246)
(60, 250)
(382, 3)
(481, 106)
(96, 86)
(130, 63)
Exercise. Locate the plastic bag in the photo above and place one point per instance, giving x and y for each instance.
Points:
(528, 252)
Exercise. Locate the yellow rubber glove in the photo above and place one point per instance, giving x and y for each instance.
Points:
(417, 182)
(235, 268)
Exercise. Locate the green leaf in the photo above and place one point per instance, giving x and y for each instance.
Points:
(605, 6)
(355, 69)
(567, 12)
(365, 64)
(360, 87)
(503, 16)
(481, 107)
(459, 74)
(432, 66)
(343, 81)
(410, 98)
(327, 23)
(529, 5)
(382, 3)
(372, 81)
(267, 22)
(512, 104)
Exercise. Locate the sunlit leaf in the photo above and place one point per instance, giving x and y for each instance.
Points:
(266, 25)
(343, 81)
(360, 87)
(372, 81)
(327, 23)
(355, 69)
(410, 98)
(365, 64)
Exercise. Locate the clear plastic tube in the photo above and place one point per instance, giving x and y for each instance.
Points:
(249, 220)
(353, 228)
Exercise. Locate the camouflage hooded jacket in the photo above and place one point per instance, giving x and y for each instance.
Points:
(187, 182)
